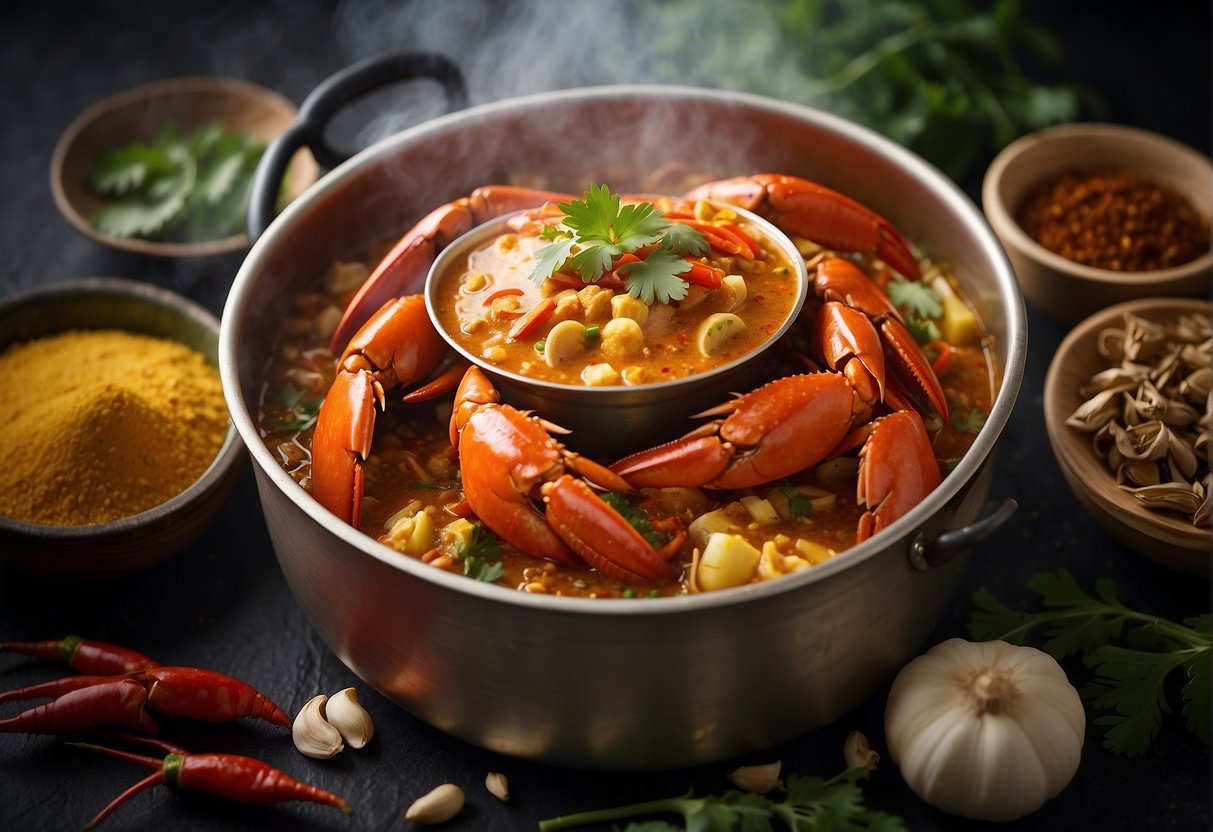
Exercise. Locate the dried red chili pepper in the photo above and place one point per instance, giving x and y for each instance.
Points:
(94, 657)
(226, 776)
(92, 701)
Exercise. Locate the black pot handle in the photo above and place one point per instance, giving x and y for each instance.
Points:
(927, 554)
(323, 103)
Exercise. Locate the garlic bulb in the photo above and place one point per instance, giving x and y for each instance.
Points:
(985, 730)
(313, 735)
(345, 713)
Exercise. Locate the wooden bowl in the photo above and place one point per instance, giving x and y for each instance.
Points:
(137, 116)
(1162, 537)
(1063, 289)
(137, 542)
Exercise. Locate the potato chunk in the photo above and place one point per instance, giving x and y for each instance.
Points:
(727, 560)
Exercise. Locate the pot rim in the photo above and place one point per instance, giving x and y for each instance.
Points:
(929, 176)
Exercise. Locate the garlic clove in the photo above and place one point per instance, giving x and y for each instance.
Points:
(498, 786)
(858, 754)
(312, 733)
(352, 721)
(757, 779)
(440, 805)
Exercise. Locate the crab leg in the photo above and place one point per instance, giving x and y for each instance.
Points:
(843, 285)
(897, 470)
(817, 213)
(404, 268)
(777, 430)
(397, 345)
(509, 462)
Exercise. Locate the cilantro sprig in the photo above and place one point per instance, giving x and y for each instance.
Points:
(811, 804)
(638, 518)
(300, 409)
(920, 305)
(1129, 682)
(479, 555)
(601, 230)
(176, 188)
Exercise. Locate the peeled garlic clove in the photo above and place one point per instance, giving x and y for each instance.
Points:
(312, 733)
(498, 786)
(351, 720)
(858, 754)
(440, 805)
(757, 779)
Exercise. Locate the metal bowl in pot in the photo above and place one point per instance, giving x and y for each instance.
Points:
(626, 684)
(603, 419)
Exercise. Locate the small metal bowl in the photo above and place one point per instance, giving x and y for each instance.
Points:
(606, 420)
(136, 115)
(1063, 289)
(1162, 537)
(134, 543)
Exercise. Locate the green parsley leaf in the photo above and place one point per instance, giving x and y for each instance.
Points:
(638, 518)
(479, 555)
(655, 278)
(970, 422)
(1129, 681)
(798, 504)
(914, 298)
(811, 804)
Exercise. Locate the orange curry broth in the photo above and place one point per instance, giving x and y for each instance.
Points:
(479, 302)
(413, 468)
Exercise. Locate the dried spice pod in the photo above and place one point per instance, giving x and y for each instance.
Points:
(1148, 412)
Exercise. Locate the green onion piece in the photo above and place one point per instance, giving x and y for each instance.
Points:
(591, 333)
(540, 344)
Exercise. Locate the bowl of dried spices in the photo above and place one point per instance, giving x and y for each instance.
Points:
(1097, 214)
(1126, 402)
(164, 169)
(118, 448)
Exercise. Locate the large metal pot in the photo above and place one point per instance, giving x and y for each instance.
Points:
(647, 683)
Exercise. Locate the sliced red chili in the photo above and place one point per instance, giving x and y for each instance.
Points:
(502, 293)
(701, 274)
(944, 359)
(529, 322)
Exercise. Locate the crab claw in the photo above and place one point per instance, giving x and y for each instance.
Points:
(817, 213)
(897, 470)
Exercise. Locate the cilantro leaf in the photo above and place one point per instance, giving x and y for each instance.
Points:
(914, 298)
(656, 277)
(301, 410)
(125, 169)
(479, 555)
(1129, 681)
(550, 258)
(638, 518)
(682, 239)
(798, 504)
(970, 422)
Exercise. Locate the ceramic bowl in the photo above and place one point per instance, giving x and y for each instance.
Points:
(1162, 537)
(133, 543)
(1063, 289)
(137, 115)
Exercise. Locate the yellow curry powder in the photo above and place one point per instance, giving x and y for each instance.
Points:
(100, 425)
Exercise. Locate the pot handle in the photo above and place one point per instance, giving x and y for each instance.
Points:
(927, 554)
(323, 103)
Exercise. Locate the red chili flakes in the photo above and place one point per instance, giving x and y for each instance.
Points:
(1115, 219)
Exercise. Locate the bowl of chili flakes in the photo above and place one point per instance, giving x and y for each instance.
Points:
(1097, 214)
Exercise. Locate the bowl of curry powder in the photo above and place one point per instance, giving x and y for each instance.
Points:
(118, 444)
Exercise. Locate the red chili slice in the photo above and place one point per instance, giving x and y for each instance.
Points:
(529, 322)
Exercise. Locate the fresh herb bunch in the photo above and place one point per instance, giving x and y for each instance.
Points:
(1129, 681)
(600, 230)
(811, 804)
(179, 188)
(927, 74)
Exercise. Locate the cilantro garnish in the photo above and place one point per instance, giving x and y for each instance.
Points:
(798, 504)
(177, 188)
(603, 229)
(479, 555)
(810, 804)
(1129, 681)
(924, 331)
(637, 517)
(914, 298)
(970, 422)
(301, 410)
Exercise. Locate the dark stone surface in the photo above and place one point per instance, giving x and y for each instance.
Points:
(224, 604)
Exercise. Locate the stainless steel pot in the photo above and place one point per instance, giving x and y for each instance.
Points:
(625, 684)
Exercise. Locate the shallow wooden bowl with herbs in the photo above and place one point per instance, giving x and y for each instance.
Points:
(139, 117)
(1168, 538)
(1062, 288)
(139, 541)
